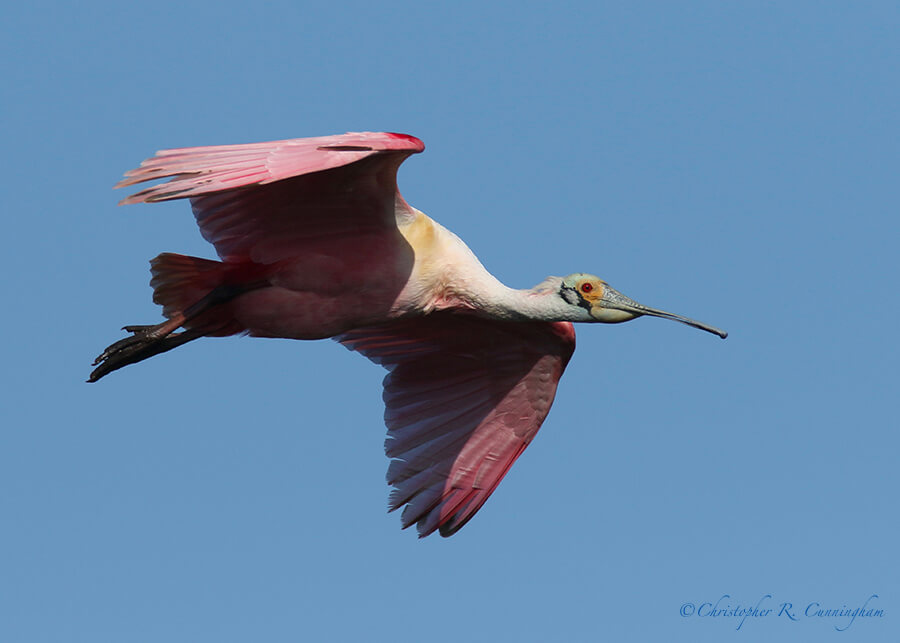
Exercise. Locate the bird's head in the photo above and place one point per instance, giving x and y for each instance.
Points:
(607, 305)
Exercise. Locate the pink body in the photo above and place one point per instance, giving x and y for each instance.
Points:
(315, 241)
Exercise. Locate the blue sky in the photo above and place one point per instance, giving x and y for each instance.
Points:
(733, 162)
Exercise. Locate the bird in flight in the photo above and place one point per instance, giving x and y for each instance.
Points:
(315, 241)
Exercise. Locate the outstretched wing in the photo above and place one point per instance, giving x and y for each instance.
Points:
(463, 398)
(262, 201)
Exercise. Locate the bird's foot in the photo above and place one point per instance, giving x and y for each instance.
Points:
(146, 341)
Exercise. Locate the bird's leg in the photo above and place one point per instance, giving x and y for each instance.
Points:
(150, 340)
(146, 341)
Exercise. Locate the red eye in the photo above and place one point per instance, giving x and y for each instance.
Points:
(586, 287)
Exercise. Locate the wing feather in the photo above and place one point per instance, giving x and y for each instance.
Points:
(264, 201)
(203, 170)
(464, 396)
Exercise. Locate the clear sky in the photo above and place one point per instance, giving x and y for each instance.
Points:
(733, 162)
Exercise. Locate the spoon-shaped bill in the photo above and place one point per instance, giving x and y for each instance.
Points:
(613, 300)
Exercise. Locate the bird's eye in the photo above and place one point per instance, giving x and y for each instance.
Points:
(587, 287)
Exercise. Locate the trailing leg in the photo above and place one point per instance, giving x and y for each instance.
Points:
(146, 341)
(194, 294)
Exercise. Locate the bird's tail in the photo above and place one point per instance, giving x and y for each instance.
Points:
(195, 295)
(181, 282)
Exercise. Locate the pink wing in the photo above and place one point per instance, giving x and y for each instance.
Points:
(464, 397)
(261, 201)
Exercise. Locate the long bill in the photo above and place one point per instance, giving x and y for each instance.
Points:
(613, 299)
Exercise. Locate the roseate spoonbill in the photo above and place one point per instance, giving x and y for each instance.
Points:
(315, 241)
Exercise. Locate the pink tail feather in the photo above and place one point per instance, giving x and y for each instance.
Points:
(180, 282)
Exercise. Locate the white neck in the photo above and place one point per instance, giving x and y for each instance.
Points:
(541, 303)
(448, 275)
